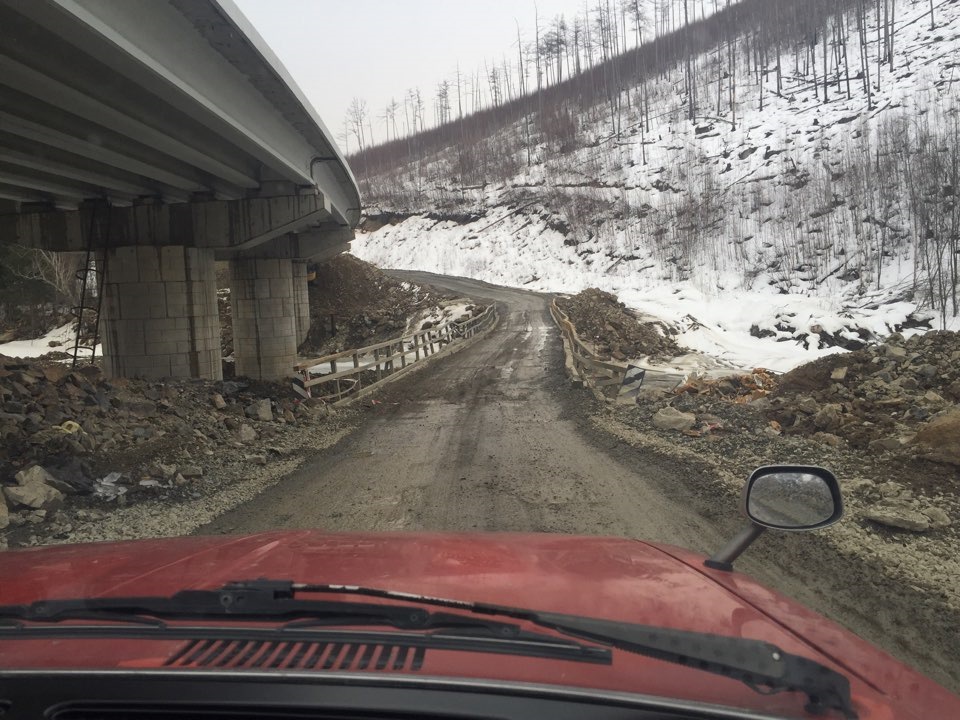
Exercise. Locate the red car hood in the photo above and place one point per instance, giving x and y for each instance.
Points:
(609, 578)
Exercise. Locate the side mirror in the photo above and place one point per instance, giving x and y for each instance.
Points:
(799, 498)
(783, 497)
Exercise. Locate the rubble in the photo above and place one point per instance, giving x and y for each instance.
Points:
(353, 304)
(899, 396)
(743, 388)
(669, 418)
(616, 334)
(886, 418)
(70, 438)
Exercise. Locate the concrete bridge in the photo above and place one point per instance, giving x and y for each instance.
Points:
(165, 135)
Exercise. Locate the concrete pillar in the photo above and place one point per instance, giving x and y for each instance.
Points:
(301, 299)
(159, 314)
(264, 318)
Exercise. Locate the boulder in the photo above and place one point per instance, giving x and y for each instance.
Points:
(670, 418)
(4, 513)
(191, 471)
(938, 518)
(260, 410)
(828, 417)
(218, 402)
(902, 517)
(940, 437)
(247, 434)
(37, 495)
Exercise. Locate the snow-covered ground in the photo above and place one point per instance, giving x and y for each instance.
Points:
(783, 225)
(60, 339)
(524, 254)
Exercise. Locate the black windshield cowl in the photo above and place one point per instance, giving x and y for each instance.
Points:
(761, 666)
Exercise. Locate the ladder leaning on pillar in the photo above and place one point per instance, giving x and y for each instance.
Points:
(99, 270)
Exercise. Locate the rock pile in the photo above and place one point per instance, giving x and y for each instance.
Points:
(353, 303)
(74, 434)
(889, 412)
(603, 320)
(898, 396)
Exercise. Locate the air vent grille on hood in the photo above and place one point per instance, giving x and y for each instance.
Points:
(286, 654)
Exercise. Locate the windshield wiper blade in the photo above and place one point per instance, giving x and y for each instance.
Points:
(265, 601)
(762, 666)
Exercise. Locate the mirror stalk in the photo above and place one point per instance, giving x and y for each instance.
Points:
(723, 559)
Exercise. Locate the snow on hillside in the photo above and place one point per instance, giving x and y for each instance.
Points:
(803, 223)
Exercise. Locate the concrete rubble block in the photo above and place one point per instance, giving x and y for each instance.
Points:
(246, 434)
(670, 418)
(38, 474)
(36, 494)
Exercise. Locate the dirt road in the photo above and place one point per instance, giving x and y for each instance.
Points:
(494, 438)
(484, 440)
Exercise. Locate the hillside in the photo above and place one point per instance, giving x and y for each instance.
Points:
(732, 193)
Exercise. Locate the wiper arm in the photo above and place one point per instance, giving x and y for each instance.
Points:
(760, 665)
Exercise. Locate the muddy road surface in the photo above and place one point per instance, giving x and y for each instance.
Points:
(494, 438)
(485, 439)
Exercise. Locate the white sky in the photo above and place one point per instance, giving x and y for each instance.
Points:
(378, 49)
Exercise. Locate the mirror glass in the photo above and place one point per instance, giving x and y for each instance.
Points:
(790, 500)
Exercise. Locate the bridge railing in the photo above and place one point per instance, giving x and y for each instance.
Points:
(340, 375)
(590, 367)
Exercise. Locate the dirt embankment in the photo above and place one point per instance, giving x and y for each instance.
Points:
(352, 304)
(615, 333)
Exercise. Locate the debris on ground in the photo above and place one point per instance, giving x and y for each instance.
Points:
(617, 334)
(742, 388)
(900, 396)
(353, 304)
(888, 413)
(70, 437)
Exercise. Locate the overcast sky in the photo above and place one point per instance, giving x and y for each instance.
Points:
(378, 49)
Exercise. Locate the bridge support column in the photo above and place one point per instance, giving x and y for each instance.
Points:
(159, 315)
(264, 317)
(301, 298)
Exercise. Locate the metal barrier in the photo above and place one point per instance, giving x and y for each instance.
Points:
(368, 366)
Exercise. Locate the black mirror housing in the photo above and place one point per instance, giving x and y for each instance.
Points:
(795, 498)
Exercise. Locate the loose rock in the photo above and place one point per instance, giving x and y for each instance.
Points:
(669, 418)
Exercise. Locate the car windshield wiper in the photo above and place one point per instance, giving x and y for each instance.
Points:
(760, 665)
(269, 601)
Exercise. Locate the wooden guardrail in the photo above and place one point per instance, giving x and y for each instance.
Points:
(592, 369)
(351, 370)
